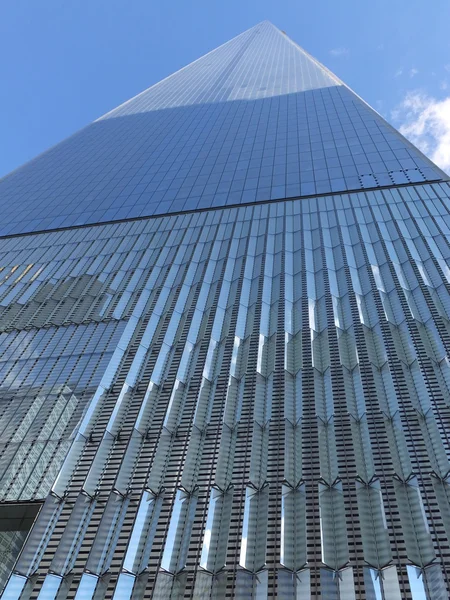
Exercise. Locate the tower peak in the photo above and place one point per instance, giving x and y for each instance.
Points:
(258, 118)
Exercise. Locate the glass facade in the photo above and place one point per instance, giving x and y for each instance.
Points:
(256, 119)
(250, 400)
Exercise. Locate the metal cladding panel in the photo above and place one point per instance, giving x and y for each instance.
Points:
(247, 402)
(255, 119)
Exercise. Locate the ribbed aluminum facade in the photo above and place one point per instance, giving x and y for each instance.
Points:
(235, 401)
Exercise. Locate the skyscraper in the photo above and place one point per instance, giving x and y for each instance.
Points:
(224, 346)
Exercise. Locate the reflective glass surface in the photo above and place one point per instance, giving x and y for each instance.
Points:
(247, 401)
(15, 523)
(256, 119)
(182, 374)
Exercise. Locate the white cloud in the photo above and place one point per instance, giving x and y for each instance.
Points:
(443, 85)
(425, 121)
(398, 72)
(413, 72)
(379, 106)
(340, 52)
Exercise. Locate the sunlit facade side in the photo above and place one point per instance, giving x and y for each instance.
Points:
(242, 392)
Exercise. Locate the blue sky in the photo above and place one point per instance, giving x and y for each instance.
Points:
(66, 63)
